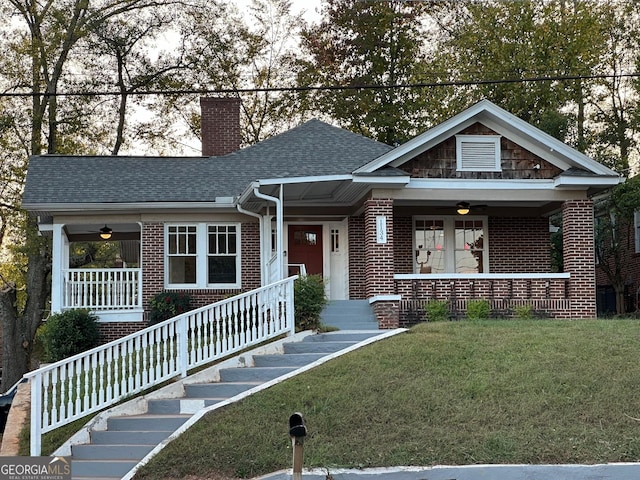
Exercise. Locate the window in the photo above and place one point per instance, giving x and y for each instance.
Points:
(478, 153)
(335, 240)
(182, 253)
(203, 255)
(223, 243)
(450, 245)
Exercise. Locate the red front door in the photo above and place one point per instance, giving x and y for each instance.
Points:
(305, 247)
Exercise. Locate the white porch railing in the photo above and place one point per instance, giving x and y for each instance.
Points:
(91, 381)
(102, 289)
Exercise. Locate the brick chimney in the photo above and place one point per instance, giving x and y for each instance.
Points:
(220, 125)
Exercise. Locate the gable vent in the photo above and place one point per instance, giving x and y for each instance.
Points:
(478, 152)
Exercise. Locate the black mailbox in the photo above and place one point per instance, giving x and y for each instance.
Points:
(297, 427)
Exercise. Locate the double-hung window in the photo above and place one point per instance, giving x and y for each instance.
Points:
(450, 245)
(202, 255)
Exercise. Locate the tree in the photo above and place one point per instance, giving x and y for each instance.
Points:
(240, 51)
(359, 44)
(506, 43)
(40, 42)
(615, 111)
(614, 234)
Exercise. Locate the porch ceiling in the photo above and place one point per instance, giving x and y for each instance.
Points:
(90, 231)
(327, 193)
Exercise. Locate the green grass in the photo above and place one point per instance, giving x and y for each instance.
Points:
(527, 391)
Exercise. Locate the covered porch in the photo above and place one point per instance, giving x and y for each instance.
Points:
(420, 251)
(97, 266)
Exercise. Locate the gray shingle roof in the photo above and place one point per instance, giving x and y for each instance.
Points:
(311, 149)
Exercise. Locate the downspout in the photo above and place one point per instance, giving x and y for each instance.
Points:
(263, 273)
(279, 225)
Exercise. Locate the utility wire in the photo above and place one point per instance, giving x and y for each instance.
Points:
(457, 83)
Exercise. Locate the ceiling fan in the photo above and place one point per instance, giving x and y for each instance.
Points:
(464, 208)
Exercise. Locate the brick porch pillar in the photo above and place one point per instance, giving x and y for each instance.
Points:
(379, 268)
(579, 256)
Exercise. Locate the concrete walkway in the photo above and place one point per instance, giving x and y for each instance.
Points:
(614, 471)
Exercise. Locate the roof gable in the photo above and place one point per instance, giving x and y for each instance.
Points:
(503, 123)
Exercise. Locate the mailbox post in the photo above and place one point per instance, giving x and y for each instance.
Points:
(297, 432)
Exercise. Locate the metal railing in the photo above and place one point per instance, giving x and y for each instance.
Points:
(102, 289)
(91, 381)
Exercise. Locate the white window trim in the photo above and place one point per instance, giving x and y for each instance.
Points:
(202, 255)
(494, 140)
(449, 246)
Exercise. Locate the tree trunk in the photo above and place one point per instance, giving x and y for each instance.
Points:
(621, 306)
(19, 327)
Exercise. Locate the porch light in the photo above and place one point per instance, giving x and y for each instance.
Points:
(462, 208)
(105, 232)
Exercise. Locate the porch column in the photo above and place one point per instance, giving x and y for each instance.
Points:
(379, 265)
(579, 256)
(60, 262)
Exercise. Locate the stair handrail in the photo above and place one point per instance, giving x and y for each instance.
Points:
(88, 382)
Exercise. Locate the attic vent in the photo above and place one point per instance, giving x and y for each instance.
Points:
(478, 153)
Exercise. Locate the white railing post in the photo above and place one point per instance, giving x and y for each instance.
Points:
(36, 415)
(291, 306)
(183, 345)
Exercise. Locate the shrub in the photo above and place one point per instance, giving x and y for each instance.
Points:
(523, 311)
(478, 309)
(437, 310)
(309, 300)
(165, 305)
(68, 333)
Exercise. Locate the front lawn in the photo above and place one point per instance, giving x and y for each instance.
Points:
(538, 391)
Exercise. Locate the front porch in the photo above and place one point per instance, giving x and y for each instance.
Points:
(546, 294)
(112, 294)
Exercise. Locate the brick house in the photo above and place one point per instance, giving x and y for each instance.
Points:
(628, 265)
(458, 212)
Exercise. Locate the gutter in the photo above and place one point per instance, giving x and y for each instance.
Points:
(279, 224)
(263, 251)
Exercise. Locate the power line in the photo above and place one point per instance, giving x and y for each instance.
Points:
(456, 83)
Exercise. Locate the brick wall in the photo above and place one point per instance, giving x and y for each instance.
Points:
(379, 257)
(114, 330)
(578, 255)
(357, 261)
(379, 268)
(519, 245)
(516, 245)
(403, 254)
(220, 125)
(153, 265)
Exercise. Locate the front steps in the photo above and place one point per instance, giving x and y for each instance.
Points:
(128, 439)
(349, 315)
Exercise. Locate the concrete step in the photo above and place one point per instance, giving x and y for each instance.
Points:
(315, 347)
(341, 336)
(173, 406)
(289, 360)
(349, 315)
(253, 374)
(146, 423)
(218, 390)
(101, 468)
(106, 437)
(110, 452)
